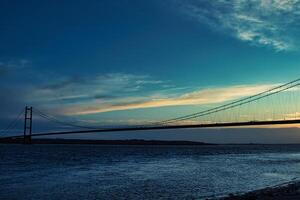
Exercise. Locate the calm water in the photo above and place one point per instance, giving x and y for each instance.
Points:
(142, 172)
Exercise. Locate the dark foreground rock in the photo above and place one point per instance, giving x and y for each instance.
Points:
(286, 192)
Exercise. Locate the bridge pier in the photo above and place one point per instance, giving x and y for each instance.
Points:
(27, 125)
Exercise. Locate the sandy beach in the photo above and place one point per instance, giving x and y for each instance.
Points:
(290, 191)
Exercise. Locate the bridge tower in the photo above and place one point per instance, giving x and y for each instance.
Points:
(28, 125)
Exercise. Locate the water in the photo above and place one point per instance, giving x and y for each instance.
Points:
(142, 172)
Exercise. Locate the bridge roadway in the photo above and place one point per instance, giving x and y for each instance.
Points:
(214, 125)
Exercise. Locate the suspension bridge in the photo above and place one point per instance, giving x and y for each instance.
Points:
(275, 106)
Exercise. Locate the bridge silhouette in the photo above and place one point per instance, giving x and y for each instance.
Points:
(276, 106)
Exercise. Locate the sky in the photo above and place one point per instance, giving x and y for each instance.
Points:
(133, 62)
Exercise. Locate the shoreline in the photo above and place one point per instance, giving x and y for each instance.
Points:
(285, 191)
(105, 142)
(128, 142)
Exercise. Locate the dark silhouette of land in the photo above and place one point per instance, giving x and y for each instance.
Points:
(290, 191)
(101, 142)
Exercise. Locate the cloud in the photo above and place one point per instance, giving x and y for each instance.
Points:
(12, 65)
(291, 116)
(3, 71)
(200, 97)
(62, 83)
(100, 88)
(272, 23)
(119, 91)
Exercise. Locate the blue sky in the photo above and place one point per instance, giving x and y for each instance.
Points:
(136, 61)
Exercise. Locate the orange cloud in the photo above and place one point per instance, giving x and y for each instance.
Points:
(201, 97)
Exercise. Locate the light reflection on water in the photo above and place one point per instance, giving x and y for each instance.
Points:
(142, 172)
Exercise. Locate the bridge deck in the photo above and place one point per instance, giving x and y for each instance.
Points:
(215, 125)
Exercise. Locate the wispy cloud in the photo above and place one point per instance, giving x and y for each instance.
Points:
(118, 91)
(79, 96)
(200, 97)
(295, 115)
(98, 88)
(12, 65)
(273, 23)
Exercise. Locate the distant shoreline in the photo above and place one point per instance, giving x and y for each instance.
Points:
(104, 142)
(125, 142)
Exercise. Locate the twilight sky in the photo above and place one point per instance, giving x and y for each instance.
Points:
(133, 61)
